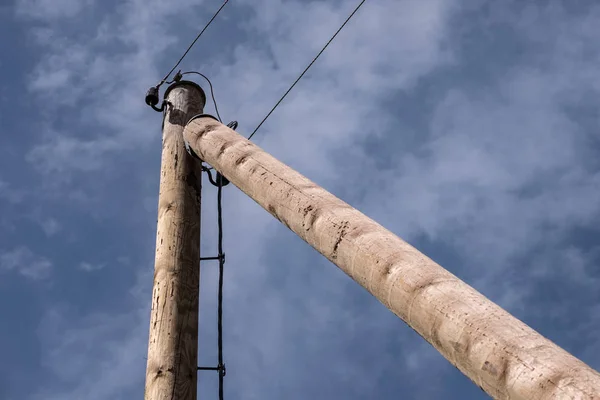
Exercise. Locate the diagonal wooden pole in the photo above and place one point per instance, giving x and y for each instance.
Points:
(499, 353)
(171, 372)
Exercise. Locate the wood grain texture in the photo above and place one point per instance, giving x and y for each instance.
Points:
(171, 372)
(499, 353)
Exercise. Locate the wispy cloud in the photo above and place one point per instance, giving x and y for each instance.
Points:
(23, 261)
(88, 267)
(505, 164)
(379, 64)
(10, 194)
(50, 226)
(96, 356)
(412, 115)
(50, 10)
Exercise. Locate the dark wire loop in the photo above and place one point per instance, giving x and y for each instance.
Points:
(210, 177)
(162, 106)
(220, 179)
(212, 92)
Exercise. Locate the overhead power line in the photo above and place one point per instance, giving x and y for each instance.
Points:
(193, 43)
(307, 68)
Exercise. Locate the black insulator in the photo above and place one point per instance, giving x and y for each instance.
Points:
(152, 97)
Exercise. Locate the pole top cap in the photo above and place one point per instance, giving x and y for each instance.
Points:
(187, 83)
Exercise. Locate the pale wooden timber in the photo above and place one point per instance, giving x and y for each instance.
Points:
(499, 353)
(171, 372)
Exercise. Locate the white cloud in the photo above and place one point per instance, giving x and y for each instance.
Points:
(506, 170)
(123, 80)
(10, 194)
(50, 81)
(88, 267)
(25, 262)
(247, 84)
(494, 168)
(50, 226)
(96, 356)
(51, 9)
(571, 264)
(64, 154)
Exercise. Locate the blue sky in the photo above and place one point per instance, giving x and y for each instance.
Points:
(469, 128)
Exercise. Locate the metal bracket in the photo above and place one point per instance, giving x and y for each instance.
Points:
(221, 369)
(202, 116)
(220, 179)
(219, 258)
(188, 148)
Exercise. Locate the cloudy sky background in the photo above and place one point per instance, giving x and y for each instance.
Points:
(470, 129)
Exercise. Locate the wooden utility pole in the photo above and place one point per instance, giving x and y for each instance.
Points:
(499, 353)
(171, 372)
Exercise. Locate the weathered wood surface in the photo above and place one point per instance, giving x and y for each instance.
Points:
(171, 372)
(499, 353)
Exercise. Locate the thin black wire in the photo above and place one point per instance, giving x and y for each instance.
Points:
(193, 43)
(306, 69)
(219, 182)
(221, 366)
(212, 93)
